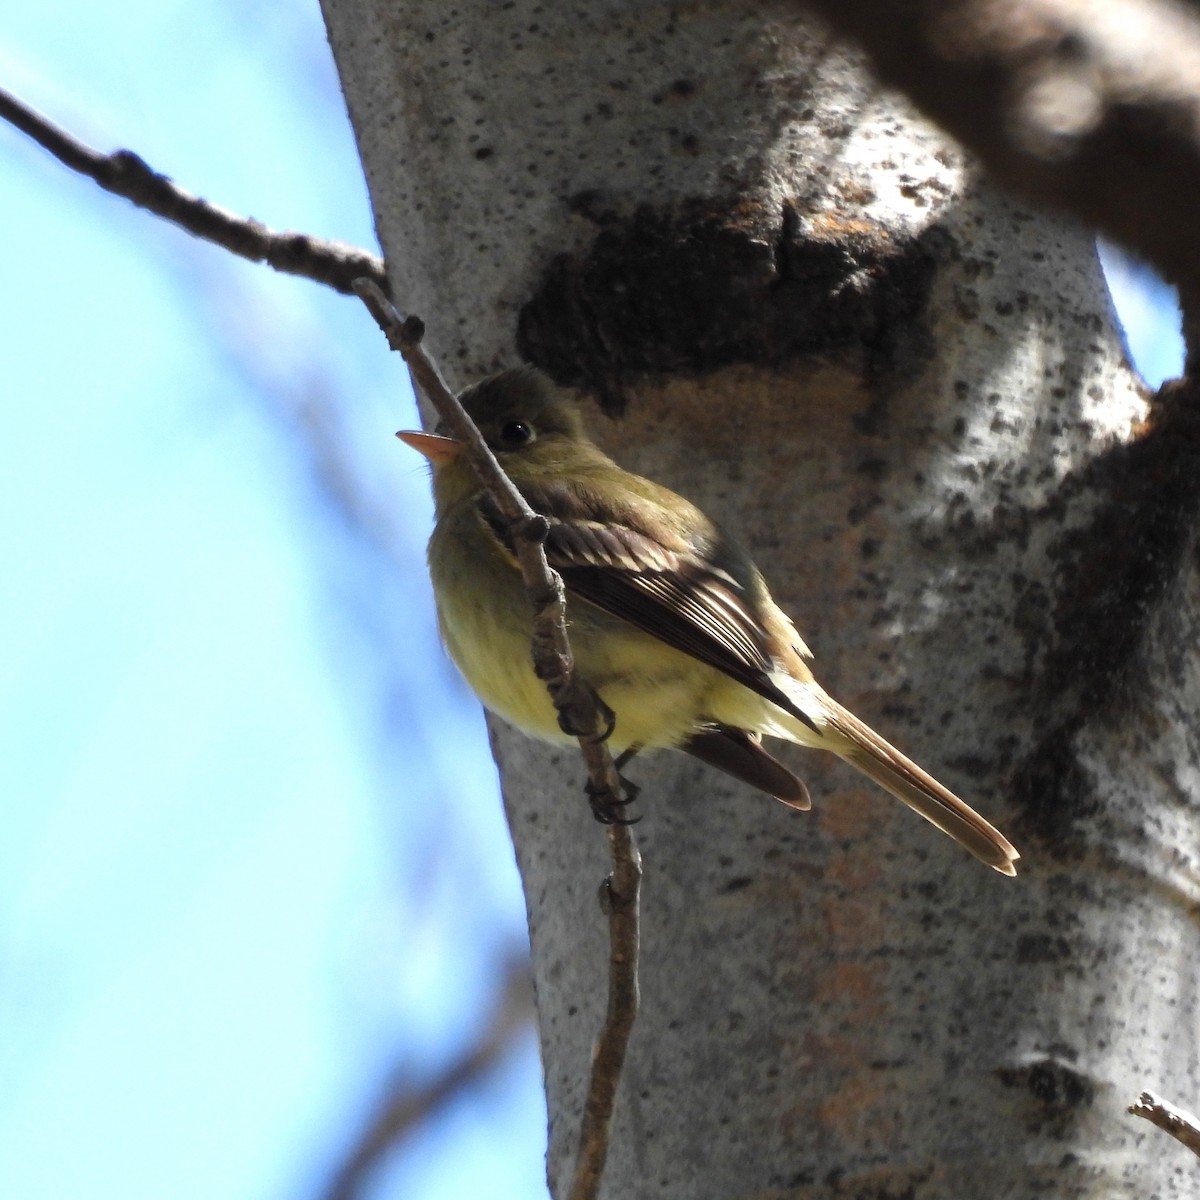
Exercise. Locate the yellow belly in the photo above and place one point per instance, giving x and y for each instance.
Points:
(659, 695)
(655, 691)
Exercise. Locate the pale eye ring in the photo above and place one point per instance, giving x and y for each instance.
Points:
(516, 433)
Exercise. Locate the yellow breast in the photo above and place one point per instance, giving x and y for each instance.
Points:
(485, 616)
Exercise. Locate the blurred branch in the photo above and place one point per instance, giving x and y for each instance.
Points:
(1089, 108)
(1178, 1122)
(580, 710)
(403, 1109)
(123, 173)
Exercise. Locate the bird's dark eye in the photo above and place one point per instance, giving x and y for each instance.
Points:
(516, 433)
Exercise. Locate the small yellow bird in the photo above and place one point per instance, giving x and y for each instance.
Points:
(669, 619)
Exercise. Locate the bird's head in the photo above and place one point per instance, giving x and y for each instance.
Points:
(531, 427)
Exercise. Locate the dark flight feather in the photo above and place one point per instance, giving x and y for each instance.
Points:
(741, 755)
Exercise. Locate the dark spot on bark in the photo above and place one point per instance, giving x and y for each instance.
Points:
(900, 1184)
(856, 512)
(1084, 637)
(1059, 1094)
(1030, 615)
(1053, 788)
(736, 884)
(589, 203)
(711, 283)
(1116, 570)
(1043, 948)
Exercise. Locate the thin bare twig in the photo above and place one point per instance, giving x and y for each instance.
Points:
(335, 264)
(575, 701)
(581, 711)
(619, 897)
(1178, 1122)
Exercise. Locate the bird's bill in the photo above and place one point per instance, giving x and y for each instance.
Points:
(439, 450)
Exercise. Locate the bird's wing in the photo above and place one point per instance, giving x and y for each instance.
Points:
(671, 591)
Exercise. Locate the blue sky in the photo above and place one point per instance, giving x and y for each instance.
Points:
(253, 860)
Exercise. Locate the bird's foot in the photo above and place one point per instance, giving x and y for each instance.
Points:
(608, 807)
(573, 711)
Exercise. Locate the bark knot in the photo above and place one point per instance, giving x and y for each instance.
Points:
(709, 283)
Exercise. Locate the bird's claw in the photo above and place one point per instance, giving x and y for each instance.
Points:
(569, 723)
(607, 806)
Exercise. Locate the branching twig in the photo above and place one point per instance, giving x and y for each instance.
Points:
(580, 710)
(335, 264)
(347, 269)
(1178, 1122)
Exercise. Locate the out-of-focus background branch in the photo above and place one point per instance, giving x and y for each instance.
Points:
(256, 894)
(404, 1107)
(1091, 108)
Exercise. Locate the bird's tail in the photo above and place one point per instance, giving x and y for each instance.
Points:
(878, 759)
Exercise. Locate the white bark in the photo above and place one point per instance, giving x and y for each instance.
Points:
(944, 493)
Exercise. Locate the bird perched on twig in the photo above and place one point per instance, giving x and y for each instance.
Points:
(670, 621)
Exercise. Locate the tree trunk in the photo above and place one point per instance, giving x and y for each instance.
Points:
(796, 304)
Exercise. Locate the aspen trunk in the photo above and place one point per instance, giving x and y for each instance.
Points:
(795, 303)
